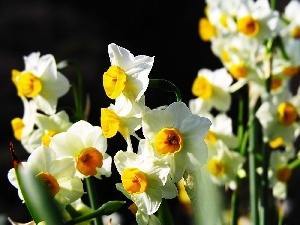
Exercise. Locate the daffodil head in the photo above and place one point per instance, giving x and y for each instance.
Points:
(87, 145)
(176, 133)
(143, 177)
(27, 84)
(127, 75)
(114, 81)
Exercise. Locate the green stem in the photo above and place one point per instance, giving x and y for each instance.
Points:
(295, 163)
(166, 86)
(234, 208)
(93, 198)
(77, 90)
(265, 184)
(253, 182)
(273, 4)
(106, 209)
(164, 214)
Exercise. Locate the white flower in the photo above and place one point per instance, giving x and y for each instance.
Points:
(223, 167)
(279, 173)
(41, 81)
(87, 145)
(47, 126)
(22, 127)
(211, 89)
(291, 14)
(221, 129)
(177, 136)
(278, 116)
(122, 117)
(57, 173)
(127, 75)
(142, 179)
(257, 20)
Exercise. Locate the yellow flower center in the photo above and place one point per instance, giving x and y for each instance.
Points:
(248, 26)
(223, 20)
(206, 30)
(275, 143)
(50, 182)
(46, 139)
(290, 71)
(114, 81)
(27, 84)
(202, 88)
(276, 83)
(17, 126)
(134, 181)
(88, 160)
(287, 113)
(216, 167)
(168, 141)
(211, 137)
(238, 71)
(283, 174)
(110, 122)
(225, 57)
(295, 33)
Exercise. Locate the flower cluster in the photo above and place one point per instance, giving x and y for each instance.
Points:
(65, 153)
(259, 48)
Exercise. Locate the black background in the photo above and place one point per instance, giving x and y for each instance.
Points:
(81, 31)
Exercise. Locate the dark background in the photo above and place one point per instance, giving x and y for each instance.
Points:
(81, 31)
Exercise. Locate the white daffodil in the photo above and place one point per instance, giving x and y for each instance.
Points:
(256, 19)
(291, 66)
(221, 129)
(87, 145)
(224, 166)
(279, 173)
(41, 81)
(127, 75)
(177, 136)
(47, 126)
(212, 91)
(292, 17)
(278, 116)
(221, 19)
(142, 179)
(123, 117)
(22, 127)
(57, 173)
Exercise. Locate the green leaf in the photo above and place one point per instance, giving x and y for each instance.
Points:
(37, 197)
(39, 201)
(106, 209)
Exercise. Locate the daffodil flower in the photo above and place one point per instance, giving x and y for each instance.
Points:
(221, 129)
(23, 127)
(223, 167)
(58, 174)
(127, 75)
(257, 20)
(211, 89)
(279, 173)
(124, 117)
(291, 15)
(278, 116)
(142, 179)
(47, 127)
(41, 81)
(177, 136)
(87, 146)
